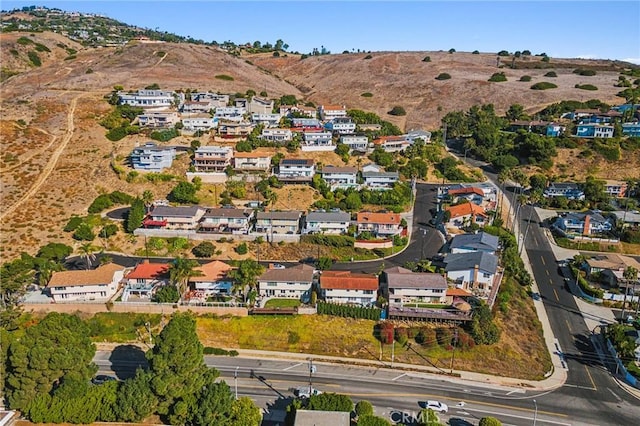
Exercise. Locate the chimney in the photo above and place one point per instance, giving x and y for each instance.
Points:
(587, 225)
(475, 276)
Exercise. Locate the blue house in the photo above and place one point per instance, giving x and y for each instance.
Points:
(467, 243)
(564, 189)
(625, 107)
(631, 129)
(151, 157)
(594, 131)
(554, 130)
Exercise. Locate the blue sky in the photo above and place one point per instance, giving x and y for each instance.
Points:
(563, 29)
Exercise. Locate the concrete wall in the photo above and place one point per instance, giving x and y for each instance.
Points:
(373, 245)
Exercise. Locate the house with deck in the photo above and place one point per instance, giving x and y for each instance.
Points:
(391, 143)
(230, 113)
(212, 159)
(584, 223)
(277, 135)
(631, 129)
(216, 99)
(616, 188)
(465, 214)
(400, 287)
(144, 280)
(228, 128)
(259, 105)
(306, 123)
(99, 284)
(475, 272)
(355, 142)
(199, 122)
(205, 106)
(569, 190)
(379, 224)
(594, 131)
(296, 170)
(346, 287)
(317, 141)
(413, 135)
(292, 283)
(323, 222)
(340, 177)
(341, 125)
(254, 161)
(211, 279)
(283, 222)
(151, 157)
(329, 112)
(266, 119)
(227, 221)
(151, 99)
(168, 217)
(374, 177)
(158, 119)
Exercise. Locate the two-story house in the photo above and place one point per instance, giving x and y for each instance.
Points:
(212, 159)
(341, 125)
(631, 129)
(268, 120)
(584, 223)
(616, 188)
(259, 105)
(294, 282)
(145, 278)
(475, 271)
(391, 143)
(228, 128)
(296, 170)
(349, 287)
(413, 135)
(205, 106)
(199, 122)
(401, 286)
(329, 112)
(468, 243)
(289, 110)
(216, 99)
(151, 99)
(594, 131)
(379, 224)
(86, 285)
(317, 141)
(211, 279)
(227, 220)
(322, 222)
(286, 222)
(375, 178)
(355, 142)
(158, 119)
(277, 135)
(569, 190)
(465, 214)
(151, 157)
(168, 217)
(230, 113)
(306, 123)
(340, 177)
(470, 193)
(254, 161)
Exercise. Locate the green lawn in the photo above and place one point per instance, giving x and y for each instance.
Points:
(282, 303)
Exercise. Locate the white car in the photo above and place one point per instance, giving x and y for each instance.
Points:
(436, 406)
(306, 392)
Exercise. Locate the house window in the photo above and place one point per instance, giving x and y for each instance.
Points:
(367, 292)
(485, 275)
(272, 284)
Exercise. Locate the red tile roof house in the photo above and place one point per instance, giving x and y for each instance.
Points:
(347, 287)
(465, 214)
(379, 224)
(145, 279)
(213, 281)
(97, 284)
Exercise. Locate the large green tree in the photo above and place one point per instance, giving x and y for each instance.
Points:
(135, 215)
(181, 270)
(56, 350)
(185, 193)
(245, 275)
(136, 400)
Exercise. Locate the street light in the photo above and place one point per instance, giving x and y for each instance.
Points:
(235, 379)
(535, 413)
(312, 369)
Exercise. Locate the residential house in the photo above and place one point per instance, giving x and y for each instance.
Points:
(199, 122)
(213, 280)
(230, 113)
(631, 129)
(268, 120)
(341, 125)
(226, 220)
(349, 287)
(145, 278)
(469, 243)
(616, 188)
(259, 105)
(564, 189)
(628, 218)
(294, 282)
(401, 286)
(379, 224)
(370, 126)
(285, 222)
(611, 267)
(234, 128)
(306, 123)
(475, 271)
(340, 177)
(317, 141)
(241, 103)
(288, 110)
(204, 106)
(158, 119)
(254, 161)
(391, 143)
(471, 194)
(375, 178)
(359, 143)
(151, 157)
(150, 99)
(465, 214)
(412, 135)
(216, 99)
(168, 217)
(322, 222)
(86, 285)
(555, 130)
(594, 131)
(584, 223)
(296, 170)
(329, 112)
(277, 135)
(212, 159)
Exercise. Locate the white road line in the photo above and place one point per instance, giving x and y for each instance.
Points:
(516, 391)
(579, 387)
(293, 366)
(397, 377)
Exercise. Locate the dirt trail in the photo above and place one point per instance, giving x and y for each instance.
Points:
(52, 162)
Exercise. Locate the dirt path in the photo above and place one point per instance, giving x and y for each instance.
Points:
(52, 162)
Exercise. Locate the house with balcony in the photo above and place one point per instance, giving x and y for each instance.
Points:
(611, 267)
(358, 143)
(412, 135)
(212, 159)
(379, 224)
(158, 119)
(340, 177)
(226, 221)
(631, 129)
(277, 135)
(391, 143)
(289, 110)
(296, 170)
(555, 130)
(306, 123)
(168, 217)
(329, 112)
(259, 105)
(230, 113)
(465, 214)
(323, 222)
(400, 286)
(341, 125)
(470, 243)
(216, 99)
(204, 106)
(199, 122)
(144, 280)
(254, 161)
(584, 223)
(241, 103)
(568, 190)
(151, 99)
(616, 188)
(284, 222)
(151, 157)
(267, 120)
(291, 283)
(375, 178)
(213, 279)
(233, 129)
(317, 141)
(98, 284)
(472, 194)
(346, 287)
(594, 131)
(475, 271)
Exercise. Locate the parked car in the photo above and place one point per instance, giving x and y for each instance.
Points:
(437, 406)
(306, 392)
(102, 378)
(276, 266)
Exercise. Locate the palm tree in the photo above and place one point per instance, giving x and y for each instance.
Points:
(147, 198)
(87, 253)
(180, 271)
(630, 274)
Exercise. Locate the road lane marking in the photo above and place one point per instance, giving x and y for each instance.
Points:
(547, 271)
(398, 377)
(568, 326)
(591, 378)
(293, 366)
(542, 259)
(556, 293)
(579, 387)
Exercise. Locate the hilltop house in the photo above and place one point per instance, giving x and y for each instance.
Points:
(465, 214)
(288, 110)
(321, 222)
(205, 106)
(468, 243)
(86, 285)
(145, 278)
(226, 220)
(151, 157)
(377, 179)
(379, 224)
(616, 188)
(340, 177)
(329, 112)
(213, 280)
(216, 99)
(294, 282)
(474, 271)
(287, 222)
(564, 189)
(158, 119)
(296, 170)
(391, 143)
(349, 287)
(359, 143)
(401, 286)
(412, 135)
(167, 217)
(584, 223)
(212, 159)
(594, 131)
(277, 135)
(151, 99)
(259, 105)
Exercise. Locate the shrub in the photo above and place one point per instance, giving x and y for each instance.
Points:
(443, 336)
(84, 232)
(584, 72)
(34, 58)
(367, 95)
(427, 59)
(383, 331)
(525, 78)
(475, 52)
(397, 110)
(551, 74)
(242, 248)
(498, 77)
(224, 77)
(24, 41)
(443, 76)
(293, 337)
(364, 408)
(426, 336)
(586, 87)
(42, 48)
(89, 71)
(401, 335)
(102, 202)
(116, 134)
(543, 85)
(204, 249)
(70, 58)
(164, 135)
(452, 50)
(368, 57)
(73, 223)
(109, 230)
(348, 311)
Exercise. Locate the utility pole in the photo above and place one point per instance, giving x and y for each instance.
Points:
(312, 369)
(453, 352)
(527, 229)
(535, 413)
(235, 379)
(393, 354)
